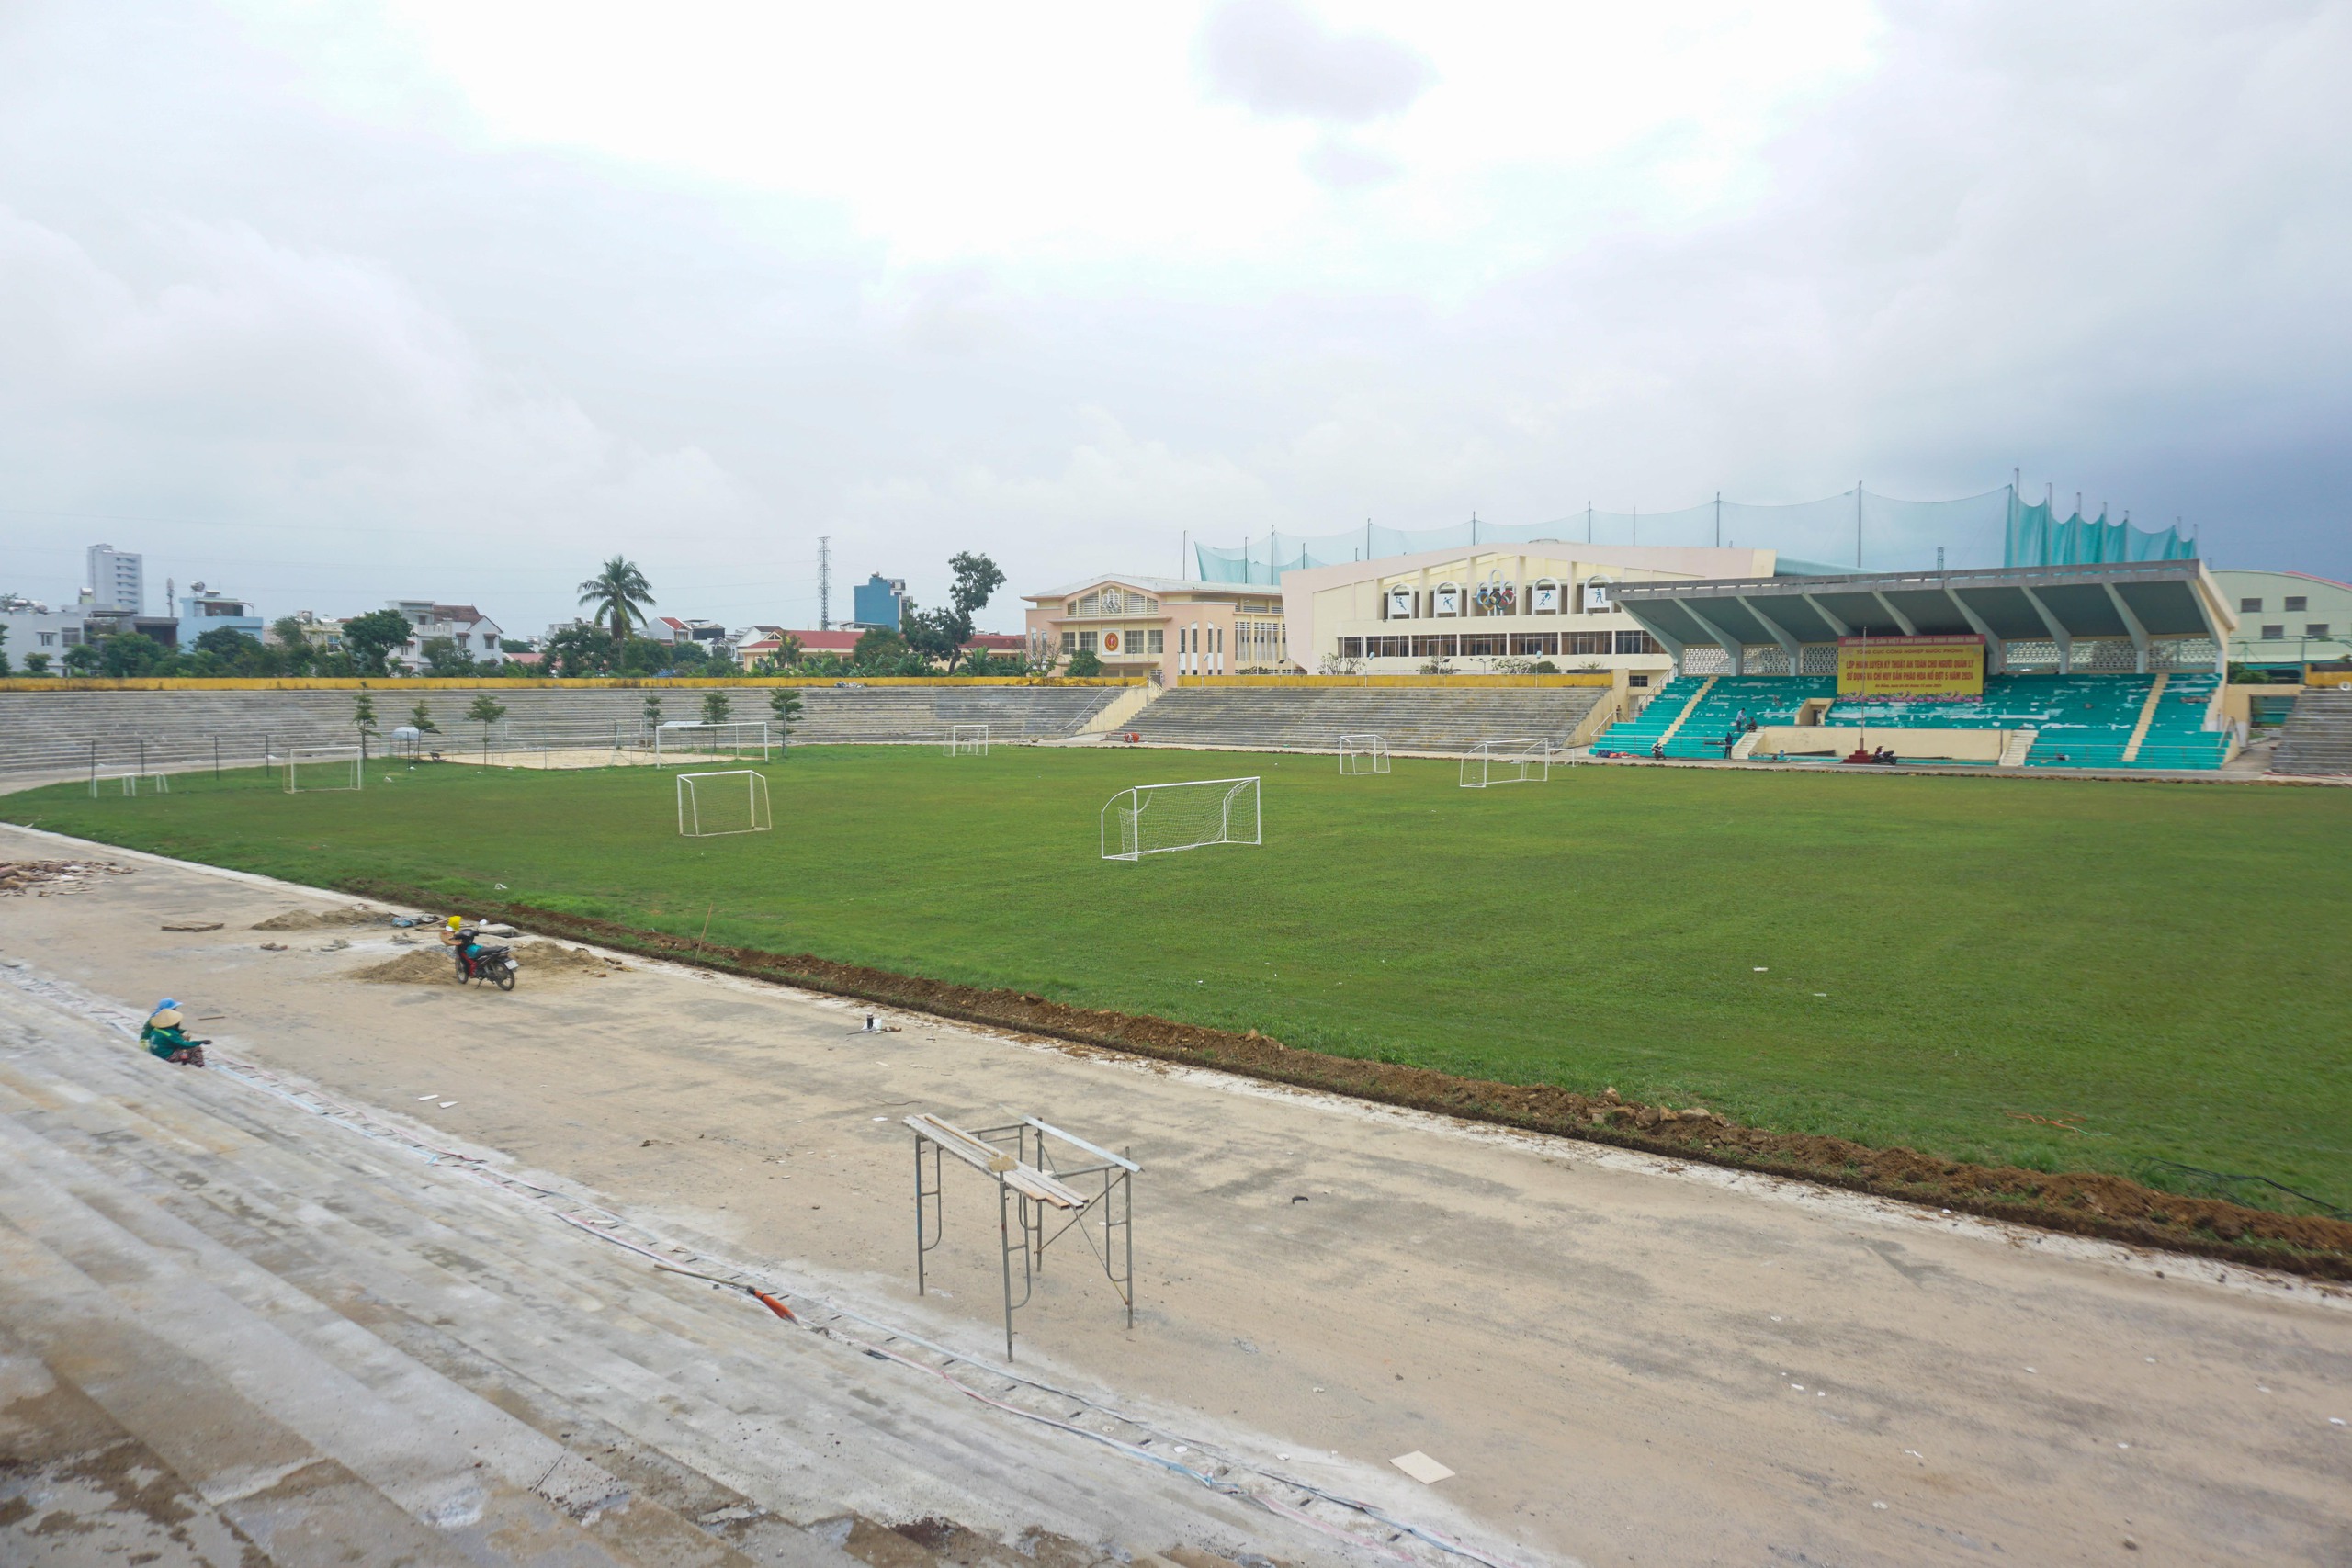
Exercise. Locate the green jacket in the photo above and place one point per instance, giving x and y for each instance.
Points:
(163, 1041)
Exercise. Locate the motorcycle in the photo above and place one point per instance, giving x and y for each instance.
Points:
(494, 965)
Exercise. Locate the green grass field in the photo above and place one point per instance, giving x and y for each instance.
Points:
(1914, 961)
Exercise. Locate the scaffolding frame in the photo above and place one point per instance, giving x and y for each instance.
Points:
(1031, 1190)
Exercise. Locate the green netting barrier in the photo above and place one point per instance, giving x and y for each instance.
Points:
(1851, 531)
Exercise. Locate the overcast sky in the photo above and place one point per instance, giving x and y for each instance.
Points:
(328, 304)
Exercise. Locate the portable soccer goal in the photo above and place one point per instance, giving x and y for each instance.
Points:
(967, 740)
(1155, 820)
(695, 740)
(132, 782)
(711, 805)
(1525, 760)
(1363, 753)
(324, 767)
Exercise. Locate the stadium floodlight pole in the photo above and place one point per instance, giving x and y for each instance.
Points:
(1857, 525)
(1719, 520)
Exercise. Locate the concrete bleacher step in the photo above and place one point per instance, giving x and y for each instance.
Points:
(2316, 740)
(280, 1423)
(55, 731)
(316, 1347)
(1411, 719)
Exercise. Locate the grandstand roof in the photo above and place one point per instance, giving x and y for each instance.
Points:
(2139, 600)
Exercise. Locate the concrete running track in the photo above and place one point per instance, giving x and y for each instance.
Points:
(1623, 1361)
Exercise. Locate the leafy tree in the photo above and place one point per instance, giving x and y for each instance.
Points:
(485, 711)
(128, 654)
(783, 702)
(228, 642)
(3, 650)
(516, 645)
(980, 663)
(421, 720)
(289, 630)
(652, 710)
(1084, 663)
(369, 640)
(579, 650)
(363, 719)
(788, 653)
(877, 645)
(715, 706)
(80, 658)
(941, 634)
(443, 658)
(619, 595)
(36, 663)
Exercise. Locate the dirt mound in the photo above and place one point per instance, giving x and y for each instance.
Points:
(317, 919)
(43, 877)
(541, 961)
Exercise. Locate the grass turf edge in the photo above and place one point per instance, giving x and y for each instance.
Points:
(2087, 1203)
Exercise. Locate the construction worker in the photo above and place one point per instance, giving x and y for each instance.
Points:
(165, 1038)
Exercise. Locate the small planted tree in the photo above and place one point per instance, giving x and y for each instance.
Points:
(422, 721)
(785, 703)
(715, 706)
(652, 716)
(363, 719)
(485, 711)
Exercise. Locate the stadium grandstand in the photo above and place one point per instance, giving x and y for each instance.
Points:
(2114, 666)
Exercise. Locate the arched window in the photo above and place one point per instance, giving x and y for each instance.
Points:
(1543, 597)
(1446, 599)
(1596, 596)
(1400, 605)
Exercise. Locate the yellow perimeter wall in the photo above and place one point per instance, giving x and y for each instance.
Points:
(503, 683)
(1451, 683)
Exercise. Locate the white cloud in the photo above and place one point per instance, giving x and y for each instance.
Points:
(1277, 58)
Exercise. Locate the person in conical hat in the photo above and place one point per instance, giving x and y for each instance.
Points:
(166, 1037)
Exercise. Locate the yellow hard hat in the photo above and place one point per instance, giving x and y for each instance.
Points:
(456, 920)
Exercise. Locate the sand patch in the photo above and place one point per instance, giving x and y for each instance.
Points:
(316, 919)
(541, 961)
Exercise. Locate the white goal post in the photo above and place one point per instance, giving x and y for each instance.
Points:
(154, 783)
(686, 739)
(967, 740)
(324, 767)
(711, 805)
(1363, 753)
(1152, 819)
(1527, 760)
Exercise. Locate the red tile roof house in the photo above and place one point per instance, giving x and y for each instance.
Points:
(761, 641)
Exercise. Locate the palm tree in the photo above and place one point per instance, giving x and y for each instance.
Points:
(619, 595)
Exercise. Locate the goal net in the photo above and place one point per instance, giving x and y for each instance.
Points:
(1152, 819)
(324, 767)
(967, 740)
(711, 805)
(1525, 761)
(687, 739)
(1363, 753)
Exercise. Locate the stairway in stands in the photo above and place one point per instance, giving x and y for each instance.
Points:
(2316, 740)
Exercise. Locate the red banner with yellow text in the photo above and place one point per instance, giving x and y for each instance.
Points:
(1912, 669)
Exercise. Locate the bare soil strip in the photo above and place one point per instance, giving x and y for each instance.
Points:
(2088, 1204)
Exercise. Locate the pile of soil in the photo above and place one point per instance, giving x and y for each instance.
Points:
(541, 961)
(2084, 1202)
(317, 920)
(44, 877)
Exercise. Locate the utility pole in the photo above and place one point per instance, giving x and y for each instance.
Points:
(1857, 525)
(1719, 520)
(825, 582)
